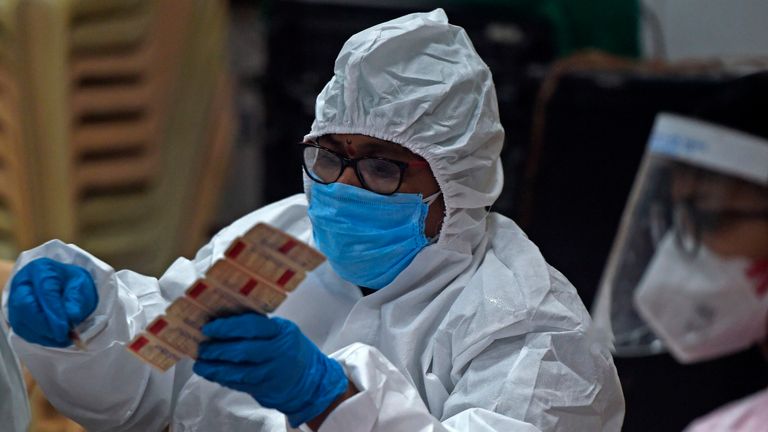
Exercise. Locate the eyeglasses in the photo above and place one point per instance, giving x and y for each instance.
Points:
(383, 176)
(689, 221)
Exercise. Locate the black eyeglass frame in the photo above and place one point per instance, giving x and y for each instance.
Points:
(352, 162)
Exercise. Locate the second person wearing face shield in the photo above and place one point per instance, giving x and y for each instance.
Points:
(689, 269)
(432, 315)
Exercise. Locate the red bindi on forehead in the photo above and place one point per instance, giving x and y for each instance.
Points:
(350, 148)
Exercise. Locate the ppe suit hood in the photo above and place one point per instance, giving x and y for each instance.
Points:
(417, 81)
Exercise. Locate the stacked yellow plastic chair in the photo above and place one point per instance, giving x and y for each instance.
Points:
(126, 123)
(116, 123)
(15, 205)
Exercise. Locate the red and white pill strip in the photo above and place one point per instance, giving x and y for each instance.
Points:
(257, 273)
(293, 249)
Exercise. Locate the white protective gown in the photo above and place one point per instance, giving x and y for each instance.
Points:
(478, 333)
(14, 408)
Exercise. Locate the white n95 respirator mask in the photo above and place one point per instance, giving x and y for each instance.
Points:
(702, 306)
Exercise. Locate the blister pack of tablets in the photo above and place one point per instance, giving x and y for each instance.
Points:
(258, 272)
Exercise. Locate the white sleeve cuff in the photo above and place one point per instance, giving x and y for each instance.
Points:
(103, 277)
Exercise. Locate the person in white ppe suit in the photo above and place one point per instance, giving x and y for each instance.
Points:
(689, 268)
(432, 314)
(14, 407)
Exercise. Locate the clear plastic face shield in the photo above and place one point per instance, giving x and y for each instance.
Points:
(688, 271)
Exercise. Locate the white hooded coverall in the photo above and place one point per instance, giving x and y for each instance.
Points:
(478, 333)
(14, 408)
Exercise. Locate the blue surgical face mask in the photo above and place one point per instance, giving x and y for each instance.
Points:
(368, 238)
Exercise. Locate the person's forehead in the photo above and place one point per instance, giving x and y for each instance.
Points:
(365, 145)
(712, 188)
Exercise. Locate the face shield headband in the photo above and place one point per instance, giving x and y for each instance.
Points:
(712, 147)
(696, 155)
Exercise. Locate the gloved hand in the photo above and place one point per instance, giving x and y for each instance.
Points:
(270, 359)
(48, 299)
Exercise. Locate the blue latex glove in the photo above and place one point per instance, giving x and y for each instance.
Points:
(48, 299)
(272, 360)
